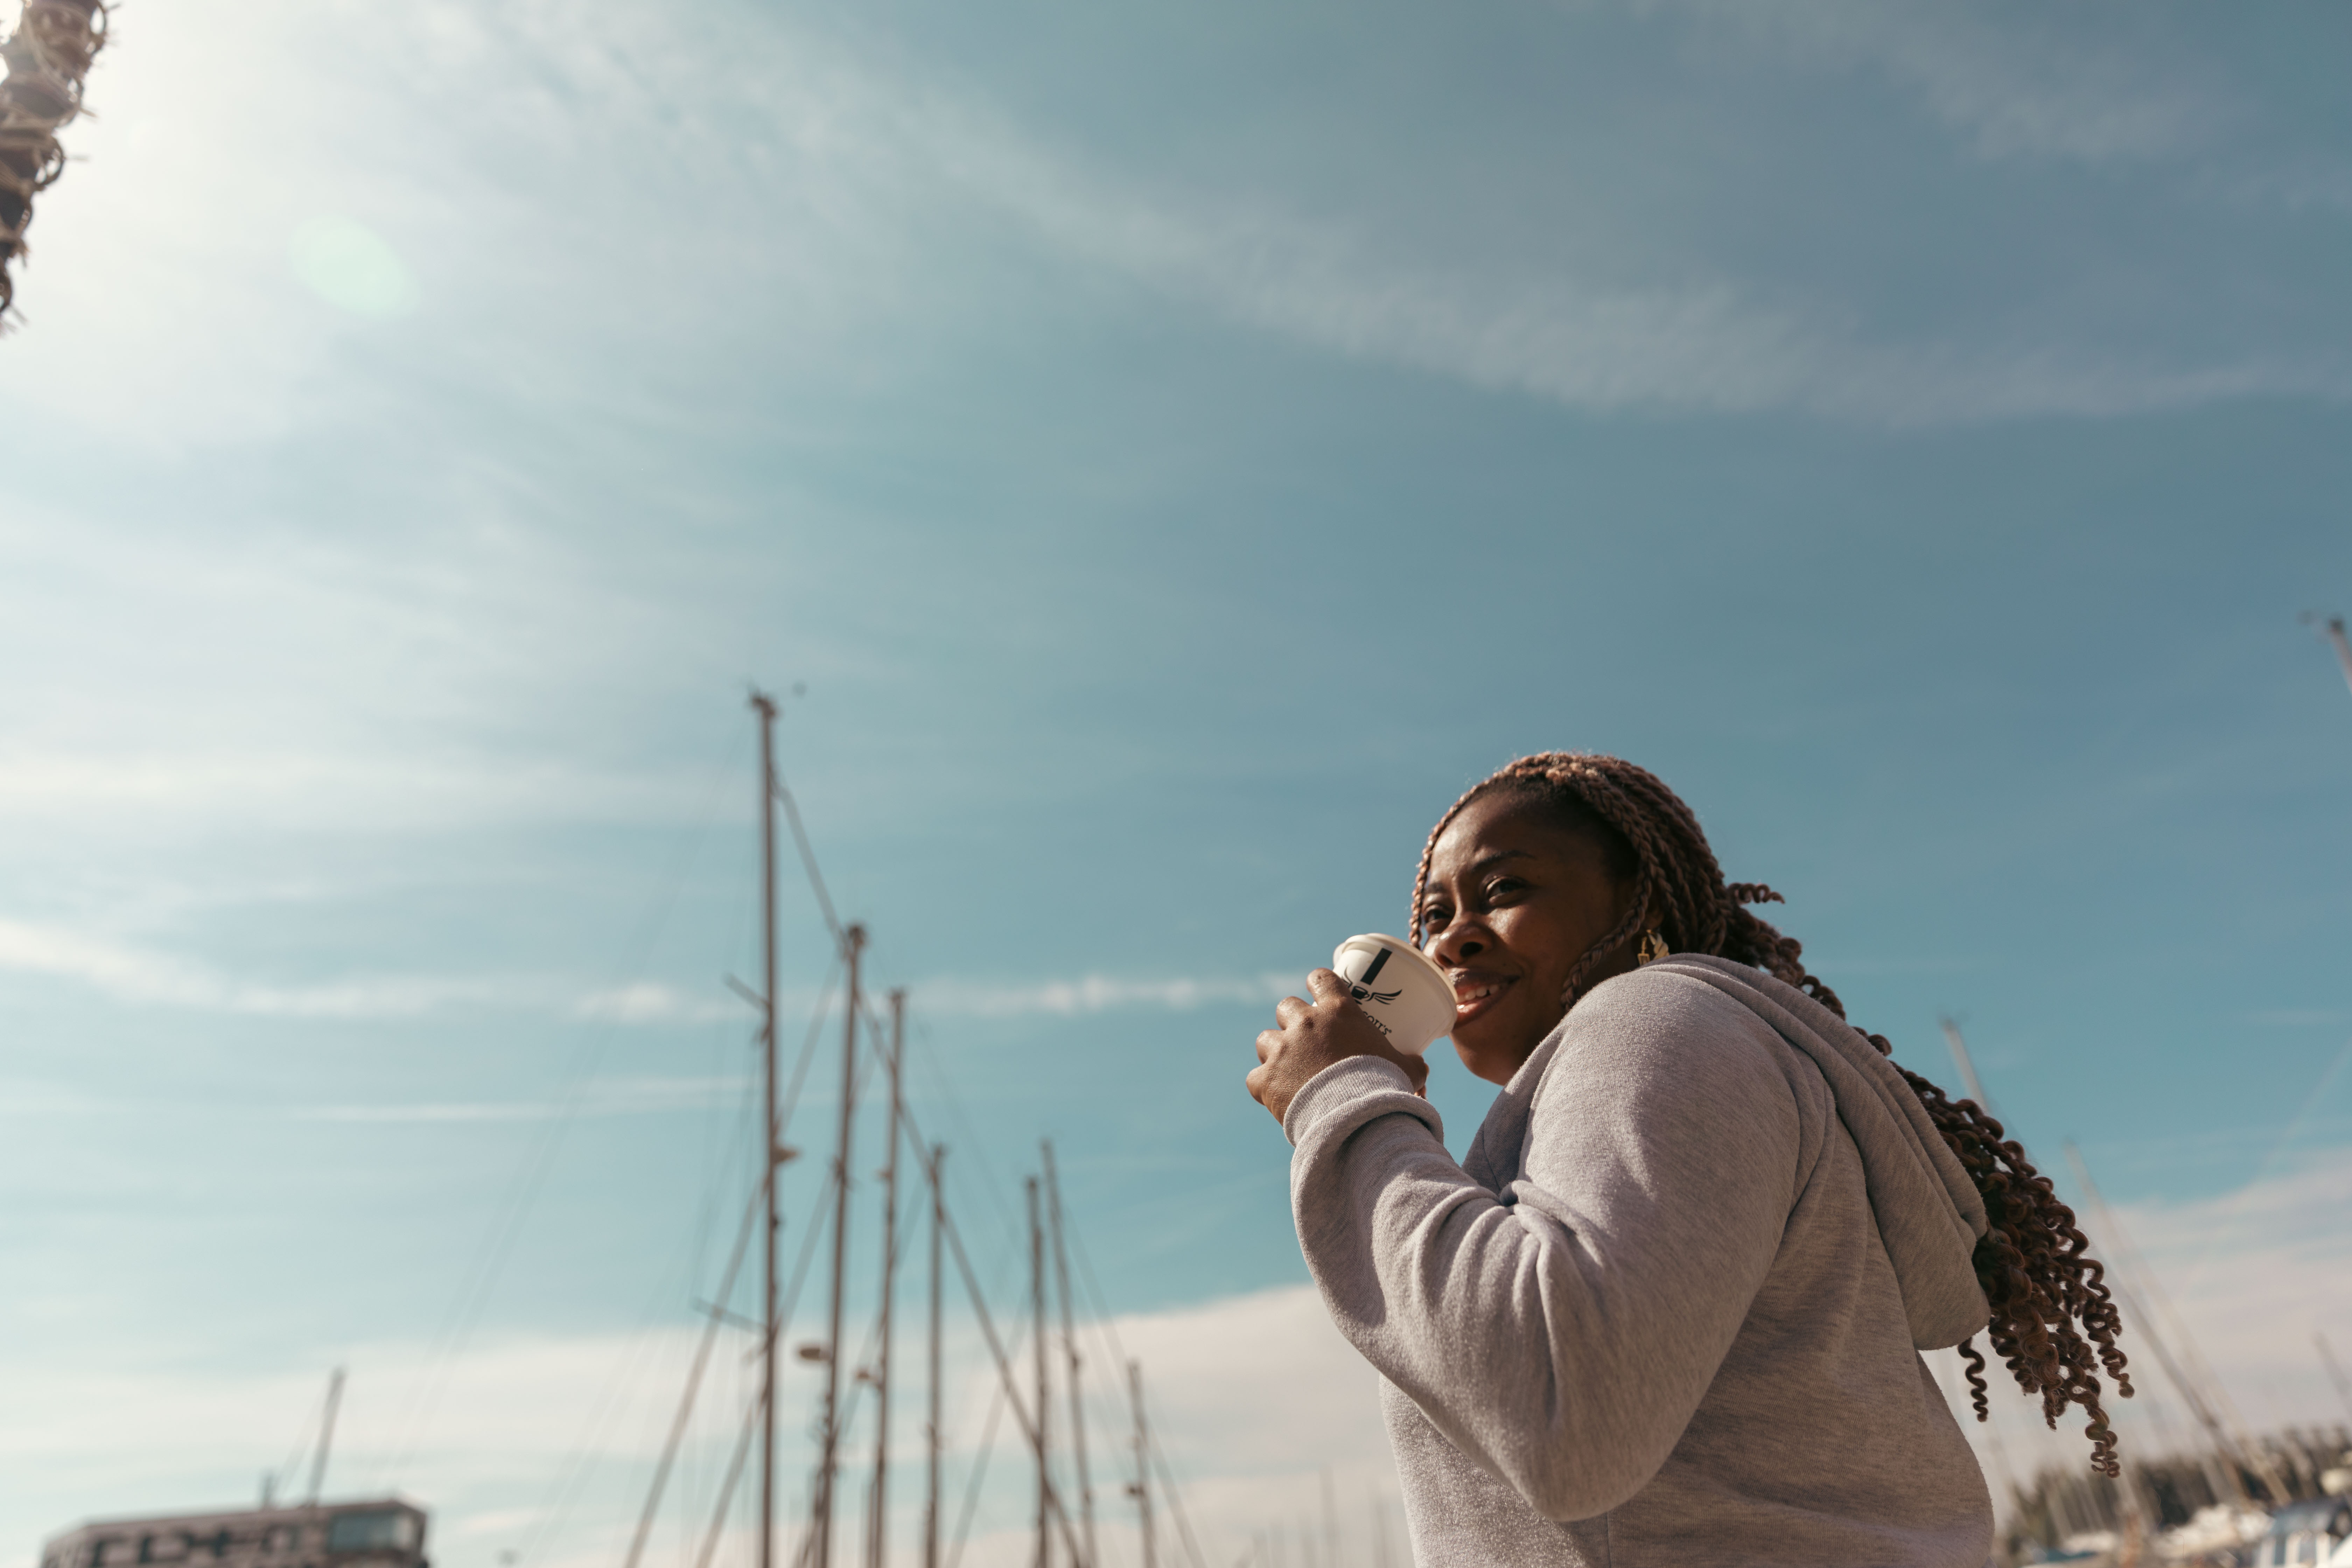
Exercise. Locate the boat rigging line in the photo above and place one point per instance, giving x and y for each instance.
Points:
(716, 1313)
(979, 1470)
(754, 1416)
(2207, 1400)
(877, 1529)
(506, 1225)
(769, 1153)
(1107, 1326)
(931, 1425)
(1055, 1518)
(828, 1467)
(1070, 1350)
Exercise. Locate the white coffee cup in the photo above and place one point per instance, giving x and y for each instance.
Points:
(1403, 993)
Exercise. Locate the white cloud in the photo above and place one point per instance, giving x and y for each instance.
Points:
(545, 1444)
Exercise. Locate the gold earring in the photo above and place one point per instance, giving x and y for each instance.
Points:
(1653, 948)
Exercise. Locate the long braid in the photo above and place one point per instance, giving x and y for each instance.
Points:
(2054, 1321)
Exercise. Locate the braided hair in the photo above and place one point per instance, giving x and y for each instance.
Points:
(2054, 1321)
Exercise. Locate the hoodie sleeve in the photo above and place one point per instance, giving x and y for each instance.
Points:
(1563, 1331)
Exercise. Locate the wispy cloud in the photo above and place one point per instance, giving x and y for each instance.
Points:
(646, 1002)
(600, 1098)
(811, 157)
(2022, 84)
(141, 975)
(1532, 324)
(1721, 346)
(298, 787)
(1099, 994)
(147, 977)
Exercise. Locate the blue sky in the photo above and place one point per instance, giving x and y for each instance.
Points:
(1177, 450)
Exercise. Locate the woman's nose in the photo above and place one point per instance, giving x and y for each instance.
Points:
(1456, 946)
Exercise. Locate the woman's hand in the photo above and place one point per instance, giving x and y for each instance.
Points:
(1311, 1035)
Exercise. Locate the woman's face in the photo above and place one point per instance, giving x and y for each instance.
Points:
(1513, 900)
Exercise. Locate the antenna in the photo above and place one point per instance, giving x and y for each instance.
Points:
(326, 1432)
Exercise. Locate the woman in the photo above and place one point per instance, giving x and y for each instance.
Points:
(1669, 1308)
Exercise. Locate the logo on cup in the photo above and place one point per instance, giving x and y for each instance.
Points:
(1360, 990)
(1414, 1007)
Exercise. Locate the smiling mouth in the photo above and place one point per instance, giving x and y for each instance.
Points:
(1471, 998)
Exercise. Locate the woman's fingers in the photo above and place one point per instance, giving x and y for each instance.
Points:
(1311, 1035)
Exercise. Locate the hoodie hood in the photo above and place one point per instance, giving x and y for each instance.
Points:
(1929, 1214)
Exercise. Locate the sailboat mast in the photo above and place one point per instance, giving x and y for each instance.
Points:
(1142, 1464)
(878, 1528)
(1044, 1395)
(931, 1424)
(1070, 1357)
(853, 947)
(766, 708)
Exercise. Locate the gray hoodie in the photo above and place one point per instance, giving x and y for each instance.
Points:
(1668, 1310)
